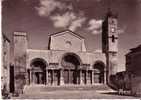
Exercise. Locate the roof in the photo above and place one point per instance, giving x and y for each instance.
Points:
(67, 30)
(4, 36)
(138, 48)
(134, 50)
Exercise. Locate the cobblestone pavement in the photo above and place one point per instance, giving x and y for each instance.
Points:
(75, 94)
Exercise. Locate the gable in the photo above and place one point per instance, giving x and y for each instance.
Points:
(67, 32)
(66, 40)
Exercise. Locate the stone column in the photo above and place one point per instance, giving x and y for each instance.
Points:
(86, 77)
(61, 77)
(27, 76)
(40, 78)
(46, 76)
(52, 77)
(69, 75)
(81, 81)
(30, 76)
(92, 77)
(33, 77)
(105, 78)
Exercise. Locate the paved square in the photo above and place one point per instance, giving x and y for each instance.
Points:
(75, 94)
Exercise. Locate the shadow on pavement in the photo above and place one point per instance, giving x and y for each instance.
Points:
(116, 93)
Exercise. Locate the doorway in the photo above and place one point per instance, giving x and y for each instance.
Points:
(99, 72)
(71, 63)
(38, 71)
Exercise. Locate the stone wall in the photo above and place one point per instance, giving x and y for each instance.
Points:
(55, 56)
(133, 62)
(5, 74)
(136, 71)
(136, 85)
(67, 40)
(20, 46)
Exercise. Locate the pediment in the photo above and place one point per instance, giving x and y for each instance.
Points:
(68, 33)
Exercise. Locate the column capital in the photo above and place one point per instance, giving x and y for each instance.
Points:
(29, 68)
(46, 68)
(61, 68)
(91, 67)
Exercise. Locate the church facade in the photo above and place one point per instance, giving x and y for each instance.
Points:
(66, 61)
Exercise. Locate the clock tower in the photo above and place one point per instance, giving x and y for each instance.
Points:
(110, 44)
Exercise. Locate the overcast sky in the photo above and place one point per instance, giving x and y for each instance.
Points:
(42, 17)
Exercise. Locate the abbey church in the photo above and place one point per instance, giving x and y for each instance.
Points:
(66, 61)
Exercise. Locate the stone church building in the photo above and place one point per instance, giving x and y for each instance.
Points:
(66, 61)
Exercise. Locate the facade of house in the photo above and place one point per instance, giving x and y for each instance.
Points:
(133, 68)
(5, 68)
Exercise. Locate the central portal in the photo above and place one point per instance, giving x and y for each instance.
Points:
(71, 73)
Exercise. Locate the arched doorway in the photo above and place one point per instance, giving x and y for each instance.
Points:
(71, 63)
(99, 72)
(38, 67)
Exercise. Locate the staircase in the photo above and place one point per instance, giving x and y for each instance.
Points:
(36, 89)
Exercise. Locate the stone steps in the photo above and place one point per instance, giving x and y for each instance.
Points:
(33, 89)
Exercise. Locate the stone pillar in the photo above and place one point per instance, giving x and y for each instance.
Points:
(40, 78)
(31, 76)
(61, 77)
(92, 77)
(52, 77)
(46, 76)
(81, 81)
(27, 76)
(86, 77)
(69, 75)
(105, 78)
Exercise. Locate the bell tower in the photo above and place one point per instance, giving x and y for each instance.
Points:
(110, 44)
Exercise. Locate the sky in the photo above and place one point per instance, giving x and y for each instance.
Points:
(42, 17)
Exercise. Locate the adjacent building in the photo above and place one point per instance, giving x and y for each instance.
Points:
(133, 68)
(5, 74)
